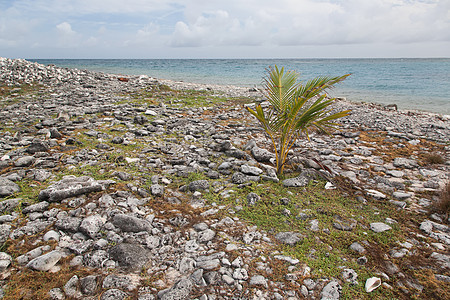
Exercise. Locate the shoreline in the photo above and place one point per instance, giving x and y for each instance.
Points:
(357, 88)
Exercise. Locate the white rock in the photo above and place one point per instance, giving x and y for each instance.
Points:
(379, 227)
(45, 262)
(372, 283)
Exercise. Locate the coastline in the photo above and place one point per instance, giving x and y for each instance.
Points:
(130, 186)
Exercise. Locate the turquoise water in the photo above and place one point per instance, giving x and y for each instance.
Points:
(420, 84)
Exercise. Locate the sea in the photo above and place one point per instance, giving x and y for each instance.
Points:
(410, 83)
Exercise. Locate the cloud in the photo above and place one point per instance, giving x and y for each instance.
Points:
(251, 25)
(67, 37)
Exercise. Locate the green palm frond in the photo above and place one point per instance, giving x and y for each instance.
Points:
(295, 109)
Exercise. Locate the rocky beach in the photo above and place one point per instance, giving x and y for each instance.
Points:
(132, 187)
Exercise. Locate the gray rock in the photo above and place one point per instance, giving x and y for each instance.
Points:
(357, 247)
(71, 288)
(24, 161)
(114, 294)
(401, 195)
(331, 291)
(198, 185)
(128, 223)
(95, 259)
(56, 294)
(38, 207)
(301, 180)
(131, 257)
(89, 285)
(37, 146)
(379, 227)
(350, 276)
(91, 225)
(289, 238)
(442, 259)
(344, 225)
(69, 186)
(240, 274)
(253, 198)
(262, 155)
(206, 235)
(157, 190)
(426, 226)
(249, 170)
(401, 162)
(208, 264)
(68, 224)
(258, 280)
(9, 205)
(45, 262)
(41, 175)
(122, 282)
(7, 187)
(179, 291)
(186, 265)
(240, 178)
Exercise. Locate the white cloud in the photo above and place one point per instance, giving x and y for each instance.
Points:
(68, 38)
(214, 25)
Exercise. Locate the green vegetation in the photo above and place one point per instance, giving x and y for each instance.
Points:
(295, 109)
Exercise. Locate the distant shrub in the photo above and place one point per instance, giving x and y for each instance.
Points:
(443, 204)
(434, 159)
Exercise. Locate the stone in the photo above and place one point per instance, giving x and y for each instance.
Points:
(350, 276)
(198, 185)
(9, 205)
(426, 226)
(288, 238)
(407, 163)
(258, 280)
(89, 285)
(37, 146)
(262, 155)
(180, 290)
(56, 294)
(71, 224)
(114, 294)
(332, 291)
(376, 194)
(357, 247)
(38, 207)
(206, 235)
(401, 195)
(157, 190)
(131, 257)
(210, 264)
(249, 170)
(122, 282)
(71, 288)
(5, 261)
(5, 230)
(129, 223)
(91, 225)
(253, 198)
(240, 274)
(69, 186)
(8, 187)
(45, 262)
(301, 180)
(24, 161)
(379, 227)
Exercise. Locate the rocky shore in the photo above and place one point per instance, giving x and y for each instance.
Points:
(131, 187)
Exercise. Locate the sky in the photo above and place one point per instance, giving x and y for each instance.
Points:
(224, 28)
